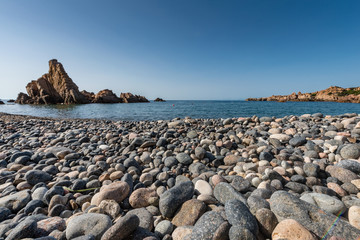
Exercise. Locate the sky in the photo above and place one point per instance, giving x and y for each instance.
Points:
(183, 49)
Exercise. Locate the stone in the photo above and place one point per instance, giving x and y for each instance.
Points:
(46, 226)
(352, 165)
(230, 160)
(203, 187)
(200, 152)
(342, 174)
(24, 229)
(297, 141)
(224, 192)
(164, 227)
(122, 229)
(16, 201)
(207, 227)
(267, 221)
(116, 191)
(184, 158)
(240, 232)
(110, 207)
(131, 98)
(145, 217)
(89, 223)
(325, 202)
(281, 137)
(192, 134)
(140, 197)
(291, 229)
(104, 96)
(4, 213)
(311, 169)
(350, 151)
(180, 233)
(35, 176)
(189, 213)
(287, 206)
(354, 216)
(173, 198)
(237, 213)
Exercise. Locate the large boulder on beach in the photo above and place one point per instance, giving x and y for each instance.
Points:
(287, 206)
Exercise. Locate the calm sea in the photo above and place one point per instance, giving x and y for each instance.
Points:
(173, 109)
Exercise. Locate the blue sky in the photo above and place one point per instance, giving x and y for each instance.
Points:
(203, 49)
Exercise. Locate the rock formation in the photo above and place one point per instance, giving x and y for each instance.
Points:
(130, 98)
(1, 102)
(159, 100)
(331, 94)
(57, 87)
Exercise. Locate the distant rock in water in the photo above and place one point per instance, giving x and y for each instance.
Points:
(1, 102)
(331, 94)
(130, 98)
(11, 101)
(159, 100)
(56, 87)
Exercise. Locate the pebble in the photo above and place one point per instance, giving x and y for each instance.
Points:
(189, 213)
(116, 191)
(122, 229)
(291, 229)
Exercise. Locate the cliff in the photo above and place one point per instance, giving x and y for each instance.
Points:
(331, 94)
(57, 87)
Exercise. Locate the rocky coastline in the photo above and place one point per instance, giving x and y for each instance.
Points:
(236, 178)
(56, 87)
(331, 94)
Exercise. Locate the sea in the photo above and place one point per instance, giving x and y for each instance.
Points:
(180, 109)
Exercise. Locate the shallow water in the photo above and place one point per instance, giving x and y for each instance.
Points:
(173, 109)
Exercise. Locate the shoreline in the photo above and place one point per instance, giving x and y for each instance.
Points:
(253, 176)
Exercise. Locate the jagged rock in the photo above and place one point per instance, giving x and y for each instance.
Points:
(331, 94)
(56, 87)
(52, 88)
(159, 100)
(130, 98)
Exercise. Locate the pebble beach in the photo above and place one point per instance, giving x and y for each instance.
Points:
(295, 177)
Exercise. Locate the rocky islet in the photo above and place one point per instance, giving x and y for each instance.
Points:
(238, 178)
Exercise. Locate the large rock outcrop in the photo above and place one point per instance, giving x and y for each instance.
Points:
(52, 88)
(57, 87)
(331, 94)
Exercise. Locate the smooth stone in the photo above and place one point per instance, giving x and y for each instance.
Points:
(287, 206)
(203, 187)
(180, 233)
(325, 202)
(184, 158)
(164, 227)
(230, 160)
(281, 137)
(291, 229)
(352, 165)
(189, 213)
(116, 191)
(342, 174)
(297, 141)
(39, 193)
(140, 197)
(224, 192)
(240, 232)
(354, 216)
(122, 229)
(200, 152)
(311, 169)
(145, 217)
(24, 229)
(207, 227)
(173, 198)
(4, 213)
(16, 201)
(267, 221)
(86, 224)
(46, 226)
(237, 213)
(350, 151)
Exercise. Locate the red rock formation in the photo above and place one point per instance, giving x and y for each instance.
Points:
(130, 98)
(331, 94)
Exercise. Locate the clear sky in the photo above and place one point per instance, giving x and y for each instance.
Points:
(183, 49)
